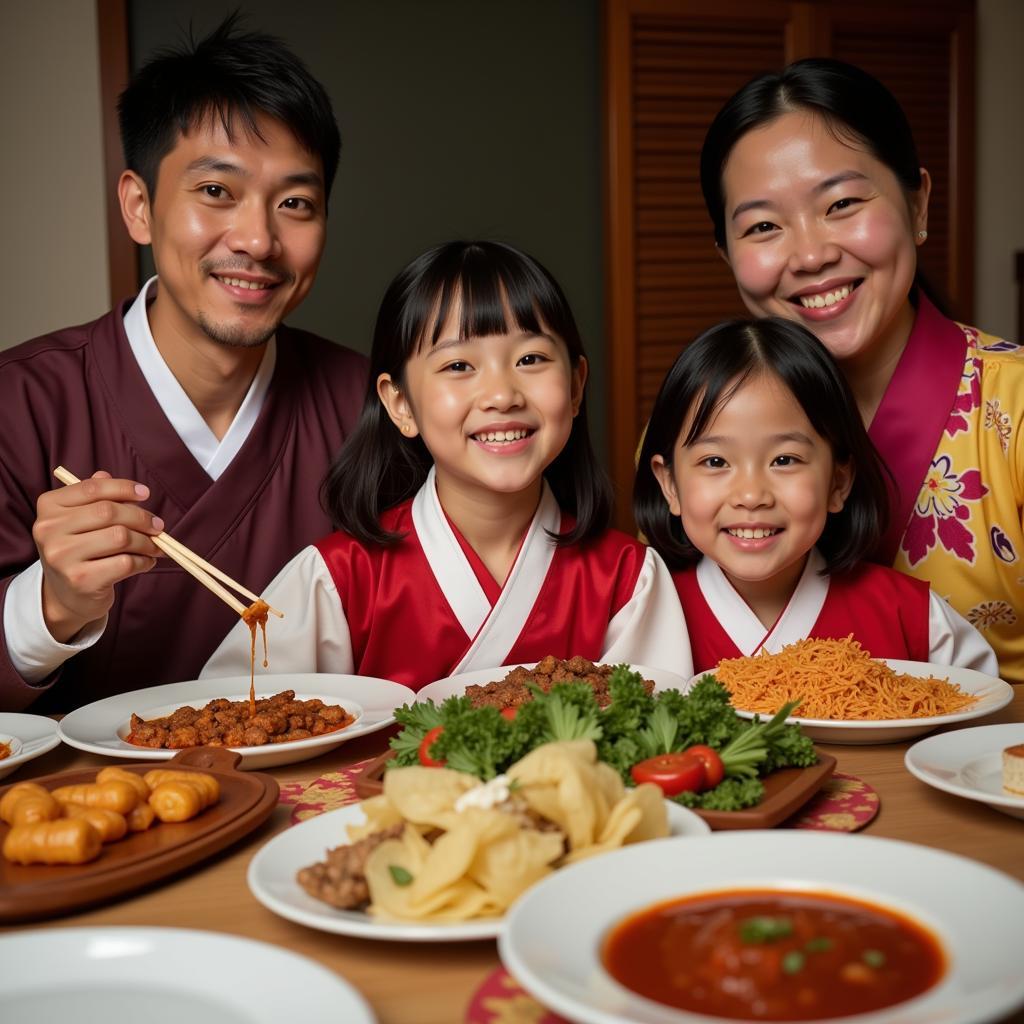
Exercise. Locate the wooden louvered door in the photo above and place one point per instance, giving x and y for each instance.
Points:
(925, 55)
(670, 65)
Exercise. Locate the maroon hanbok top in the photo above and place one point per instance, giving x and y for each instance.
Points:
(77, 398)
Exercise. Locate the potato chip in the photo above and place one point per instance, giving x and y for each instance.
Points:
(564, 805)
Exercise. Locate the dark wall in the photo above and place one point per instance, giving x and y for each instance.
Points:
(459, 118)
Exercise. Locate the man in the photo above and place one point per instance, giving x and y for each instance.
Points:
(193, 408)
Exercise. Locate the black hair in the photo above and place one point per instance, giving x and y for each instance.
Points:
(704, 378)
(499, 289)
(227, 75)
(855, 106)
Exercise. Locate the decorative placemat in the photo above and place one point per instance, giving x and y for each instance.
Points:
(844, 804)
(500, 1000)
(329, 791)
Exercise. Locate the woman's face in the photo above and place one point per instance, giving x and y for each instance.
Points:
(821, 232)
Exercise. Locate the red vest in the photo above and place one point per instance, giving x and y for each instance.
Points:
(884, 609)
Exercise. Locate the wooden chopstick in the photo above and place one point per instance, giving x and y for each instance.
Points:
(190, 561)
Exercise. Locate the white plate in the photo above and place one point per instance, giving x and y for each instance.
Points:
(456, 685)
(34, 734)
(969, 763)
(552, 935)
(166, 976)
(100, 728)
(992, 695)
(272, 871)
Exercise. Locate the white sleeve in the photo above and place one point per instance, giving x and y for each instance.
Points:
(33, 651)
(952, 640)
(313, 636)
(650, 629)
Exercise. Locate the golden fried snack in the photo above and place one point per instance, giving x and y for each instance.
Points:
(140, 817)
(176, 801)
(116, 774)
(206, 784)
(16, 793)
(114, 795)
(32, 807)
(110, 825)
(64, 841)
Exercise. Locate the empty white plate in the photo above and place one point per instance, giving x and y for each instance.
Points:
(166, 976)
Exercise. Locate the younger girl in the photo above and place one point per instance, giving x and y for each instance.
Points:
(473, 513)
(756, 459)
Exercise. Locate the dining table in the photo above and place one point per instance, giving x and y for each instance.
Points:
(433, 983)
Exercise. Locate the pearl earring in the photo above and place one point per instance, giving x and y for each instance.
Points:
(922, 235)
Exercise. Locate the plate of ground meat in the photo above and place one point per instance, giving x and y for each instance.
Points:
(507, 686)
(298, 716)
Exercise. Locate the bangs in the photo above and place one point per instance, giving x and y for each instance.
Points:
(496, 291)
(714, 397)
(489, 304)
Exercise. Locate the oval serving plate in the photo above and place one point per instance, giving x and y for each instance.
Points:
(272, 871)
(992, 693)
(28, 892)
(100, 727)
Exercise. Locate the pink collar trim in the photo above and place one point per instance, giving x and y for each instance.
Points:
(914, 411)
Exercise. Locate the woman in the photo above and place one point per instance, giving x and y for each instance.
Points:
(819, 205)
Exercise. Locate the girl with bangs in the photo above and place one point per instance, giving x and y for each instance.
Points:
(472, 512)
(758, 484)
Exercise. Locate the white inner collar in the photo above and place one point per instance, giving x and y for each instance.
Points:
(213, 455)
(744, 628)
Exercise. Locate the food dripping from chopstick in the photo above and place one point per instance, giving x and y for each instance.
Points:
(207, 574)
(253, 616)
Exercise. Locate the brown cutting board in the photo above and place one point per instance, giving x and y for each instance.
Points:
(40, 890)
(785, 792)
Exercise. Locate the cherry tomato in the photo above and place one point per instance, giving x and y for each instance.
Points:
(713, 767)
(674, 773)
(509, 713)
(426, 743)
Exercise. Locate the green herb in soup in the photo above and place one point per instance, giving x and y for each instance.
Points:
(764, 955)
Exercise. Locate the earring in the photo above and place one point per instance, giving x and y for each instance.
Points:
(922, 235)
(405, 428)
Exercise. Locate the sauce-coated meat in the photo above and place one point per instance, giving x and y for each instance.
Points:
(226, 723)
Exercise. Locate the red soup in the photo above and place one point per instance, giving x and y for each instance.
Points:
(773, 955)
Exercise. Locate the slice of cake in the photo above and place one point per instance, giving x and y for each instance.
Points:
(1013, 769)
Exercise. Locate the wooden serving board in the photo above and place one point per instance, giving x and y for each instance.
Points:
(785, 792)
(40, 890)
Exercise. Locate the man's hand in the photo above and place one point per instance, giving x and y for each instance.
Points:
(90, 537)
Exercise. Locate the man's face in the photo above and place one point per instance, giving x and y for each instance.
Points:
(237, 228)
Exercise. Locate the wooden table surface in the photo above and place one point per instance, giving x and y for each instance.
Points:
(419, 983)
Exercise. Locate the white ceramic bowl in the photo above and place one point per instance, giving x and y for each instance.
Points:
(553, 934)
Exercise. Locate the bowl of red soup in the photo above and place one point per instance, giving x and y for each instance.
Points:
(771, 926)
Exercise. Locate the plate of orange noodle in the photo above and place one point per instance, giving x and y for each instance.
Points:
(849, 697)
